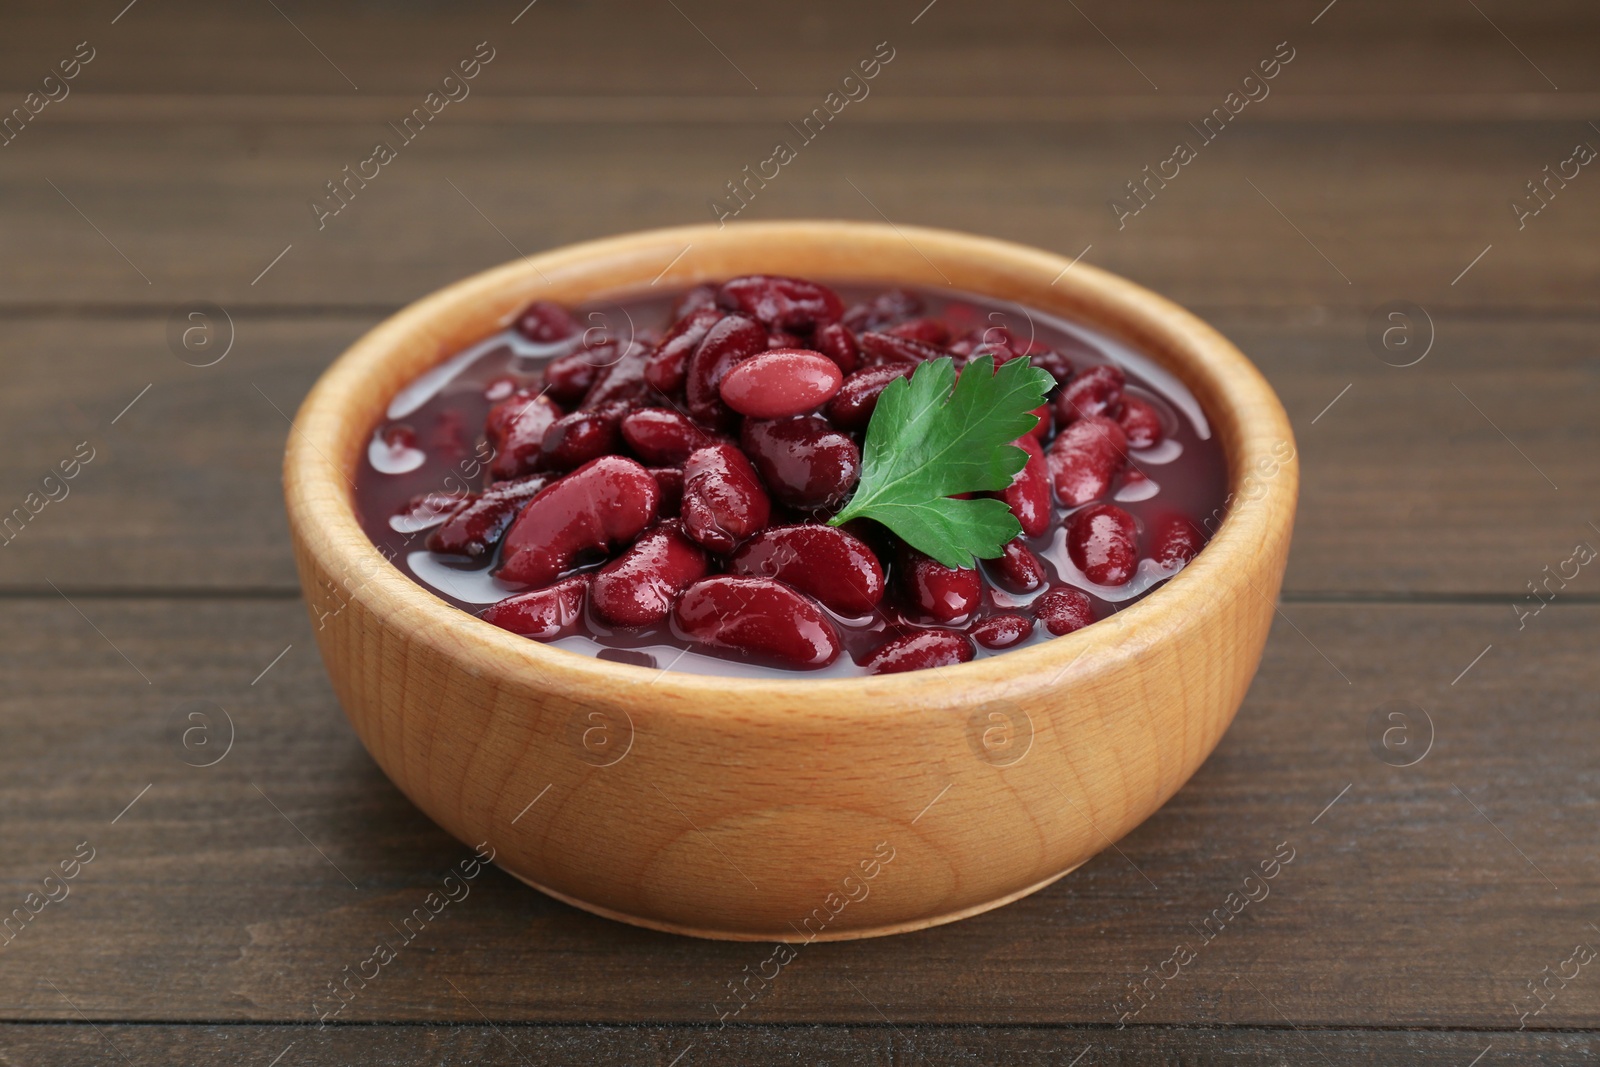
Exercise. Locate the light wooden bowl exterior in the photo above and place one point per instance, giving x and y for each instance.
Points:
(789, 810)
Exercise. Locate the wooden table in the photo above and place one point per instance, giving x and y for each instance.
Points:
(1425, 901)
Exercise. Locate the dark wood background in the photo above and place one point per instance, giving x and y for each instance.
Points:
(1420, 906)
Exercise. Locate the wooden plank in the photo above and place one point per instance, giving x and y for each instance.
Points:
(392, 1046)
(1425, 896)
(723, 47)
(1408, 485)
(1276, 215)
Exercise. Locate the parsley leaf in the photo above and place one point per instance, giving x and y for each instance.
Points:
(932, 436)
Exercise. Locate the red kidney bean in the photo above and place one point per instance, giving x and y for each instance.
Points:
(781, 303)
(668, 364)
(804, 462)
(919, 650)
(821, 561)
(1084, 458)
(516, 427)
(997, 354)
(1140, 422)
(929, 331)
(621, 382)
(1028, 495)
(837, 343)
(883, 311)
(723, 501)
(573, 440)
(430, 509)
(662, 436)
(780, 383)
(784, 339)
(568, 379)
(638, 587)
(879, 348)
(1041, 429)
(759, 617)
(732, 339)
(502, 387)
(1175, 540)
(544, 614)
(603, 503)
(1102, 541)
(1048, 359)
(670, 481)
(942, 593)
(474, 530)
(544, 322)
(852, 407)
(701, 296)
(1097, 391)
(1064, 610)
(1002, 631)
(1018, 569)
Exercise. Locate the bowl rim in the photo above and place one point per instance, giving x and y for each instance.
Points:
(319, 491)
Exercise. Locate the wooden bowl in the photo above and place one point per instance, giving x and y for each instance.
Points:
(789, 809)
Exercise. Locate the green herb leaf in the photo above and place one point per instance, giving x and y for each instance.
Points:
(932, 436)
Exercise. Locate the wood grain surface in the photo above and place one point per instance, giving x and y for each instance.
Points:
(1419, 899)
(1419, 906)
(885, 1044)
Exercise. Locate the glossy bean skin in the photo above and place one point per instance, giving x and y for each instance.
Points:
(852, 407)
(568, 378)
(919, 650)
(575, 439)
(1102, 541)
(1097, 391)
(780, 383)
(760, 618)
(880, 348)
(837, 343)
(1085, 458)
(703, 295)
(1058, 365)
(1017, 569)
(1140, 422)
(620, 382)
(928, 331)
(1028, 495)
(887, 309)
(824, 562)
(781, 303)
(666, 367)
(543, 614)
(723, 500)
(431, 509)
(1002, 631)
(622, 589)
(604, 503)
(638, 587)
(1175, 540)
(662, 437)
(474, 530)
(1061, 611)
(732, 339)
(929, 588)
(544, 322)
(804, 462)
(515, 428)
